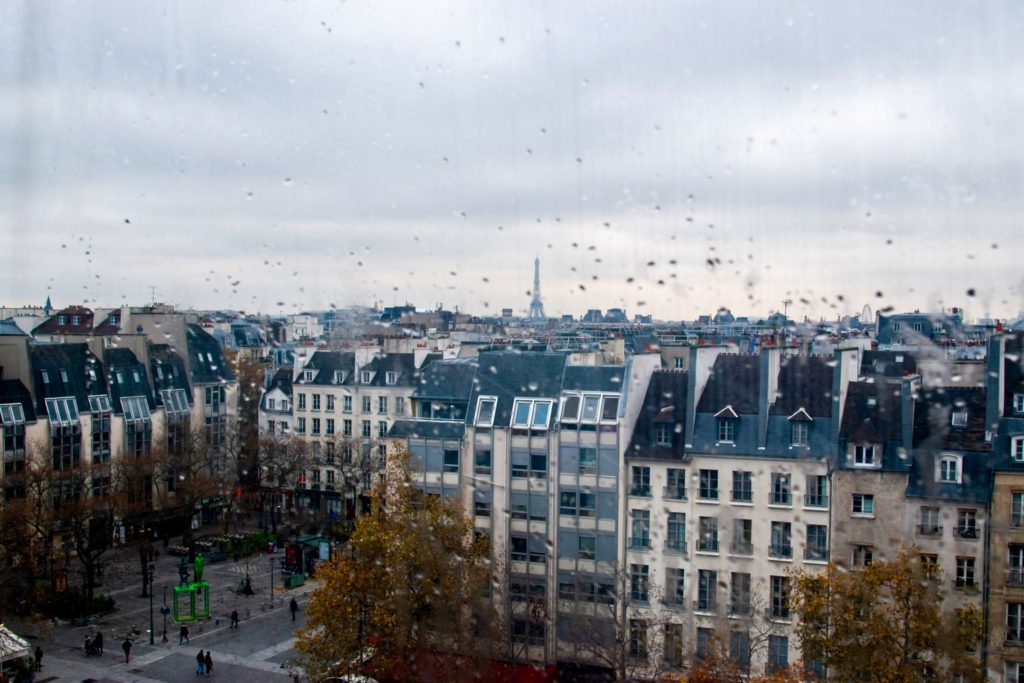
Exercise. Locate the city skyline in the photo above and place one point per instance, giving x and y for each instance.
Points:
(667, 162)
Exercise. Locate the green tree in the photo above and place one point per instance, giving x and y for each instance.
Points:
(886, 624)
(410, 588)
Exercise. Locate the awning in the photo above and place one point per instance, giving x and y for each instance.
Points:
(12, 646)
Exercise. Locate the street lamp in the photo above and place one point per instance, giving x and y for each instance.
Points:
(165, 610)
(271, 558)
(152, 568)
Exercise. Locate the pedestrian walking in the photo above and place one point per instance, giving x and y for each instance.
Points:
(127, 647)
(294, 607)
(39, 658)
(200, 664)
(209, 664)
(183, 634)
(234, 618)
(97, 643)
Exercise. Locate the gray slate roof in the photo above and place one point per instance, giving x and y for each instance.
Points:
(76, 362)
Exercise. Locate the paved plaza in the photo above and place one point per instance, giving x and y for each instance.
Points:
(258, 650)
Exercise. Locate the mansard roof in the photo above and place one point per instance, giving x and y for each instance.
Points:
(805, 382)
(60, 370)
(734, 381)
(933, 427)
(207, 362)
(664, 404)
(508, 375)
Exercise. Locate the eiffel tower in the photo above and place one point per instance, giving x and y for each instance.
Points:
(536, 306)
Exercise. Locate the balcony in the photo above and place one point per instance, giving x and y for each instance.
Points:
(740, 610)
(1015, 577)
(640, 543)
(676, 545)
(781, 551)
(816, 554)
(1017, 520)
(929, 530)
(707, 545)
(815, 501)
(968, 532)
(706, 606)
(742, 495)
(741, 548)
(965, 585)
(673, 493)
(640, 490)
(781, 499)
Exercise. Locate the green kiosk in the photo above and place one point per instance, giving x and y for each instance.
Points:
(191, 599)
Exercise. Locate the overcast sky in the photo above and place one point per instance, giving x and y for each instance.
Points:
(667, 158)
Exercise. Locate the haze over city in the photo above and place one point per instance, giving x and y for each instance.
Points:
(667, 161)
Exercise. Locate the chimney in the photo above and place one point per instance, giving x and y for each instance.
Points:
(908, 385)
(847, 366)
(769, 386)
(995, 383)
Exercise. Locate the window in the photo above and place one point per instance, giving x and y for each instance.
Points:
(138, 425)
(399, 405)
(675, 538)
(707, 540)
(638, 638)
(300, 425)
(301, 405)
(965, 572)
(862, 555)
(778, 652)
(639, 576)
(346, 428)
(367, 429)
(742, 487)
(587, 547)
(675, 593)
(346, 404)
(929, 564)
(967, 523)
(570, 408)
(62, 320)
(864, 504)
(1017, 509)
(316, 426)
(316, 401)
(678, 363)
(1015, 621)
(676, 489)
(707, 582)
(816, 496)
(673, 645)
(641, 482)
(367, 404)
(364, 377)
(588, 460)
(709, 484)
(705, 636)
(609, 408)
(382, 405)
(817, 543)
(727, 430)
(330, 427)
(864, 455)
(1017, 448)
(390, 378)
(798, 433)
(307, 375)
(482, 508)
(742, 537)
(382, 428)
(1014, 672)
(451, 460)
(576, 503)
(739, 594)
(663, 434)
(959, 418)
(99, 406)
(779, 607)
(482, 461)
(485, 411)
(781, 489)
(739, 650)
(1018, 403)
(531, 414)
(929, 525)
(1015, 562)
(590, 408)
(641, 538)
(781, 547)
(949, 470)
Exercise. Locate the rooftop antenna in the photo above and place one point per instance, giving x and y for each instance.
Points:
(785, 307)
(152, 295)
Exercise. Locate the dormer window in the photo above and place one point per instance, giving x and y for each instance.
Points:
(959, 418)
(46, 376)
(571, 408)
(727, 418)
(307, 375)
(798, 433)
(864, 455)
(365, 377)
(663, 434)
(76, 320)
(1017, 448)
(391, 377)
(949, 470)
(1018, 403)
(339, 376)
(112, 320)
(62, 320)
(63, 375)
(895, 327)
(485, 411)
(590, 406)
(531, 414)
